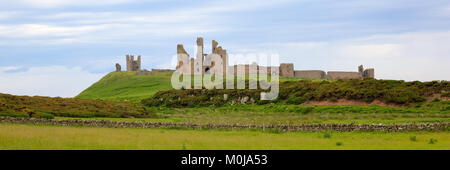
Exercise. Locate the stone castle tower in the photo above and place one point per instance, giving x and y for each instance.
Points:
(133, 65)
(202, 60)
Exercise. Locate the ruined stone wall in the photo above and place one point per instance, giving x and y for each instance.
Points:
(287, 69)
(280, 127)
(310, 74)
(128, 58)
(183, 59)
(246, 68)
(370, 73)
(162, 70)
(143, 72)
(118, 67)
(343, 75)
(265, 70)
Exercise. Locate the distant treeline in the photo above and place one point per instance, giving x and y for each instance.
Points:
(48, 107)
(297, 92)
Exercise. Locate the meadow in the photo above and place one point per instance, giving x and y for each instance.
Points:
(257, 115)
(125, 96)
(17, 136)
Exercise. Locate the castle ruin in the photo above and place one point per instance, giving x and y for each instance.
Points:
(133, 65)
(205, 64)
(285, 69)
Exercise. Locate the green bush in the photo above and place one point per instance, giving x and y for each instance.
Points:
(432, 141)
(445, 94)
(295, 100)
(327, 135)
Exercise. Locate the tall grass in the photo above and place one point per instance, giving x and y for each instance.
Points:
(52, 137)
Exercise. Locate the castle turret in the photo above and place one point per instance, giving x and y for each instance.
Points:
(133, 65)
(360, 69)
(138, 65)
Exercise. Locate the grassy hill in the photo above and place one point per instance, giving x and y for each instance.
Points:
(127, 86)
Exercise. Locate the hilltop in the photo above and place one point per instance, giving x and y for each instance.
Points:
(127, 86)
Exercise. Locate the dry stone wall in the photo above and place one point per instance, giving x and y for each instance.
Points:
(281, 128)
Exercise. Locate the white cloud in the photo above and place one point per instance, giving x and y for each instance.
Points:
(63, 3)
(116, 26)
(46, 81)
(36, 30)
(410, 56)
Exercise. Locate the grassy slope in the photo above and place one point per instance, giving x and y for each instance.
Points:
(14, 136)
(127, 86)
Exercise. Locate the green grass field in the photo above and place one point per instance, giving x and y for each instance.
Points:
(242, 117)
(16, 136)
(127, 86)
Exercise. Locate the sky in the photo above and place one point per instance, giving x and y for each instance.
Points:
(60, 47)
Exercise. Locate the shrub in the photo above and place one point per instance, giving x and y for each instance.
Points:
(43, 115)
(339, 143)
(327, 135)
(413, 138)
(445, 94)
(333, 99)
(295, 100)
(432, 141)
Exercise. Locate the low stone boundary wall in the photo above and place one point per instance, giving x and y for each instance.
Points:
(281, 128)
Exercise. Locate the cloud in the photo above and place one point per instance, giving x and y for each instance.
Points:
(63, 3)
(408, 56)
(46, 81)
(36, 30)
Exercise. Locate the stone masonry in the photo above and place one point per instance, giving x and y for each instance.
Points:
(285, 69)
(204, 64)
(118, 67)
(133, 65)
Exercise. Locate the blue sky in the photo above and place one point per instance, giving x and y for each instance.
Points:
(60, 47)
